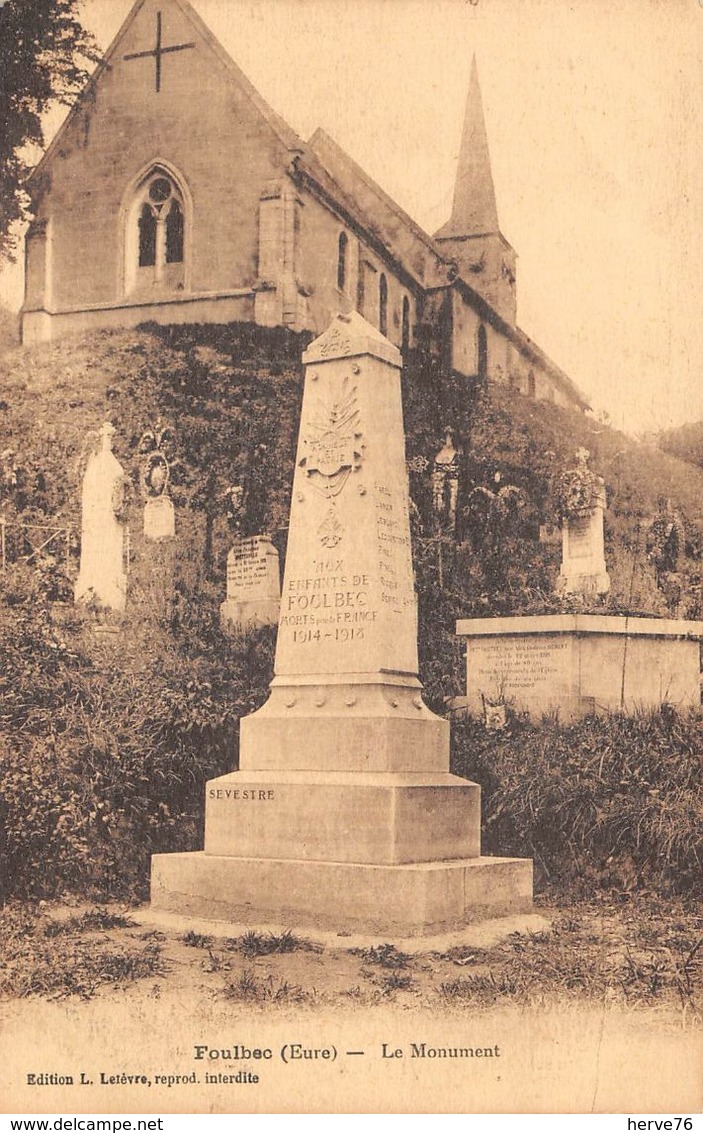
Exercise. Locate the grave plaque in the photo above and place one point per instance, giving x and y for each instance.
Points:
(253, 585)
(159, 519)
(343, 813)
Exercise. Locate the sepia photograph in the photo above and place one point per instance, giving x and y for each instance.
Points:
(351, 557)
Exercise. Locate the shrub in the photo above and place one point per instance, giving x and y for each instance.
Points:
(103, 756)
(608, 801)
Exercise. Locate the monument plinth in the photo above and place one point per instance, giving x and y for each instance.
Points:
(344, 814)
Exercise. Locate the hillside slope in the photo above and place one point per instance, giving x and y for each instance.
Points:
(684, 442)
(232, 395)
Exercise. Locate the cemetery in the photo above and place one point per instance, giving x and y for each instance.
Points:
(350, 663)
(592, 793)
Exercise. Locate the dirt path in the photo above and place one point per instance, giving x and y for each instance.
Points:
(585, 1014)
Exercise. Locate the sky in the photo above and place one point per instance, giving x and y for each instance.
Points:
(594, 111)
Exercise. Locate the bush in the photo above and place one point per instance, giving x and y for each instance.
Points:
(104, 755)
(608, 801)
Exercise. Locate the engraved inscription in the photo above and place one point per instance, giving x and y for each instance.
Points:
(333, 342)
(580, 543)
(243, 794)
(397, 590)
(329, 606)
(246, 564)
(501, 667)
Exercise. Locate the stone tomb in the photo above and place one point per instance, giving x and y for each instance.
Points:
(575, 664)
(344, 815)
(253, 585)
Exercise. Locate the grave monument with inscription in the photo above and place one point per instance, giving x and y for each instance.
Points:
(581, 503)
(159, 513)
(343, 813)
(253, 585)
(577, 664)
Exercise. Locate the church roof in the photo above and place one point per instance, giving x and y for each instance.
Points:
(474, 209)
(409, 244)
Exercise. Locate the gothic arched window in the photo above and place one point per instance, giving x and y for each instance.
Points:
(147, 238)
(342, 261)
(155, 235)
(405, 329)
(383, 304)
(482, 355)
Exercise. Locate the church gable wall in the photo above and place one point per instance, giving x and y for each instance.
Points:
(123, 126)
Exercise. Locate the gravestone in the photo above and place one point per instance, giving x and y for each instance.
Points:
(102, 576)
(253, 585)
(445, 482)
(582, 499)
(343, 813)
(159, 513)
(159, 518)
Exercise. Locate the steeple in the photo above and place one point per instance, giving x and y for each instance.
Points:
(474, 212)
(471, 238)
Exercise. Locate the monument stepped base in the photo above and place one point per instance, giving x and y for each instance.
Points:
(343, 817)
(413, 900)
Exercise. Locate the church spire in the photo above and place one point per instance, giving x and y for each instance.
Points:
(474, 211)
(471, 238)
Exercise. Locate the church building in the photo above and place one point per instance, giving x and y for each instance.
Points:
(174, 193)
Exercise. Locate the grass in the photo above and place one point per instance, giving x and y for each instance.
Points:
(253, 944)
(249, 988)
(385, 955)
(33, 965)
(612, 802)
(197, 940)
(92, 921)
(633, 953)
(574, 962)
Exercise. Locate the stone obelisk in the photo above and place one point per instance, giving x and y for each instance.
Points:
(343, 813)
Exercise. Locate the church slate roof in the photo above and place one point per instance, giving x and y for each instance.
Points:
(340, 177)
(405, 239)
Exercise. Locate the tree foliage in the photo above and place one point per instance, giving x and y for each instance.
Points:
(685, 442)
(44, 52)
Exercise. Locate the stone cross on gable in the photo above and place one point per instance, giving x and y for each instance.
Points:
(158, 51)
